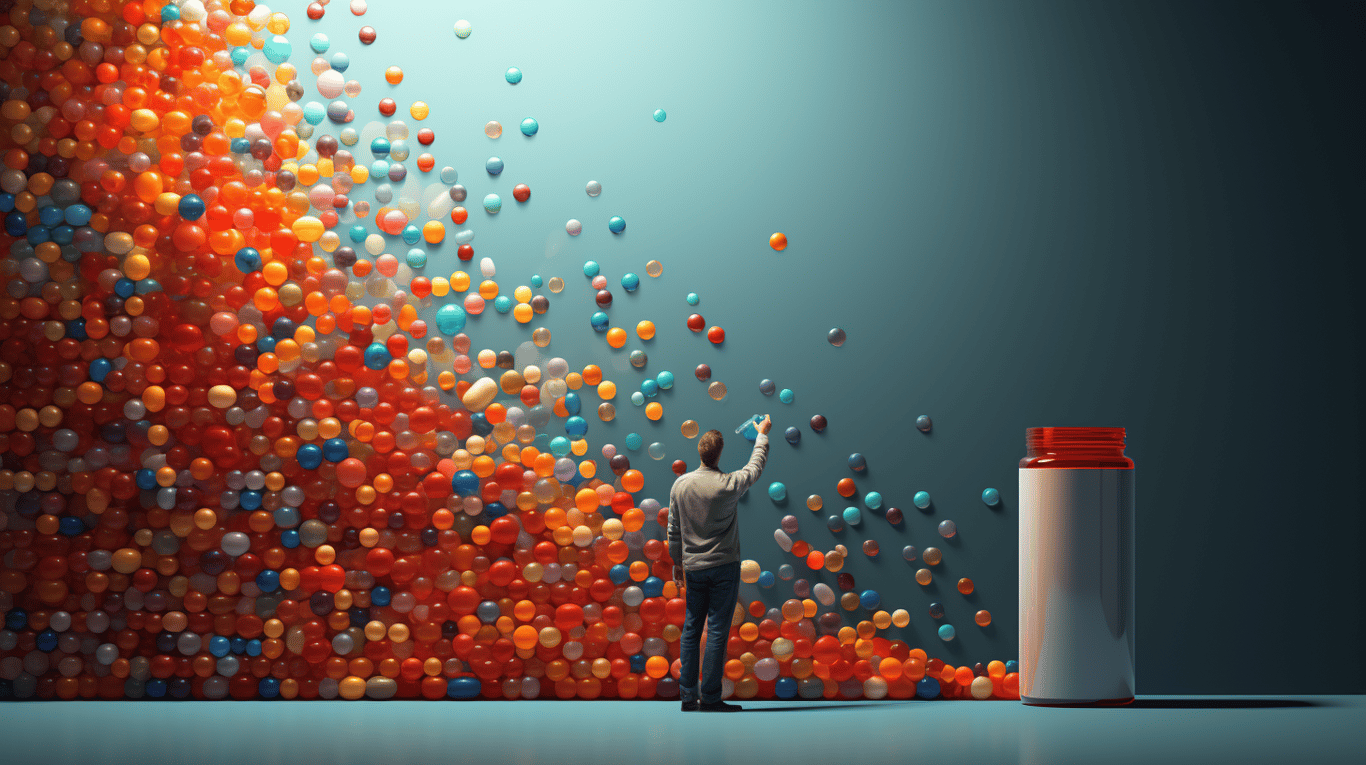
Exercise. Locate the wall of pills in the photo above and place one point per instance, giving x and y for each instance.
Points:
(262, 436)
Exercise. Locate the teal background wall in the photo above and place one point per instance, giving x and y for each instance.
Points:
(1056, 213)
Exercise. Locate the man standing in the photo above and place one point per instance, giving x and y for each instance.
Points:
(704, 541)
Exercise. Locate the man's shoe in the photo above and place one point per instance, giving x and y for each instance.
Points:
(717, 706)
(690, 706)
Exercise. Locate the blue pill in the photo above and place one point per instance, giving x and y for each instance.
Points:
(340, 61)
(927, 688)
(530, 126)
(616, 224)
(591, 268)
(572, 403)
(191, 207)
(649, 388)
(869, 599)
(936, 610)
(619, 574)
(309, 456)
(630, 282)
(921, 499)
(513, 75)
(493, 165)
(380, 147)
(857, 462)
(1012, 666)
(947, 632)
(991, 497)
(766, 579)
(835, 523)
(377, 356)
(777, 491)
(873, 500)
(785, 688)
(786, 395)
(576, 426)
(465, 483)
(853, 516)
(793, 436)
(923, 423)
(599, 321)
(335, 450)
(767, 387)
(248, 259)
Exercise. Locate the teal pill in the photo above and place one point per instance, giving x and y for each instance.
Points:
(319, 43)
(637, 398)
(947, 632)
(630, 282)
(536, 281)
(785, 395)
(693, 298)
(921, 499)
(513, 75)
(416, 258)
(530, 126)
(852, 516)
(873, 500)
(660, 115)
(493, 203)
(616, 224)
(277, 49)
(633, 441)
(591, 268)
(665, 379)
(991, 497)
(777, 491)
(493, 166)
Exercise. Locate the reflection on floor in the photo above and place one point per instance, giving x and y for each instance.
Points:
(1162, 730)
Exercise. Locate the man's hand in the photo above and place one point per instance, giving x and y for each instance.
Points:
(678, 575)
(764, 424)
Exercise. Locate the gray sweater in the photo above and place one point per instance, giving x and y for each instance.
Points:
(703, 528)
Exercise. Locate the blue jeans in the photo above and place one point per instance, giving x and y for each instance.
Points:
(711, 597)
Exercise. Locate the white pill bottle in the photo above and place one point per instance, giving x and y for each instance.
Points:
(1076, 568)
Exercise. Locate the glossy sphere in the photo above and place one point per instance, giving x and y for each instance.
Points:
(616, 224)
(921, 499)
(923, 577)
(778, 241)
(909, 553)
(932, 556)
(777, 491)
(983, 618)
(923, 423)
(947, 529)
(818, 422)
(965, 586)
(857, 462)
(793, 435)
(696, 322)
(660, 115)
(947, 632)
(716, 335)
(702, 372)
(936, 611)
(991, 497)
(836, 337)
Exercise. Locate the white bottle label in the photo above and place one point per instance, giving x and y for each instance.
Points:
(1076, 585)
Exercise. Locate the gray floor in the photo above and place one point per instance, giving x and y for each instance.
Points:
(1155, 731)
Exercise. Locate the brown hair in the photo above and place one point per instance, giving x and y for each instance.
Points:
(709, 447)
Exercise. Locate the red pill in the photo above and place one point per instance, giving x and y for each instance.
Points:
(703, 372)
(465, 252)
(696, 322)
(521, 192)
(425, 136)
(314, 11)
(367, 35)
(716, 335)
(680, 467)
(387, 107)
